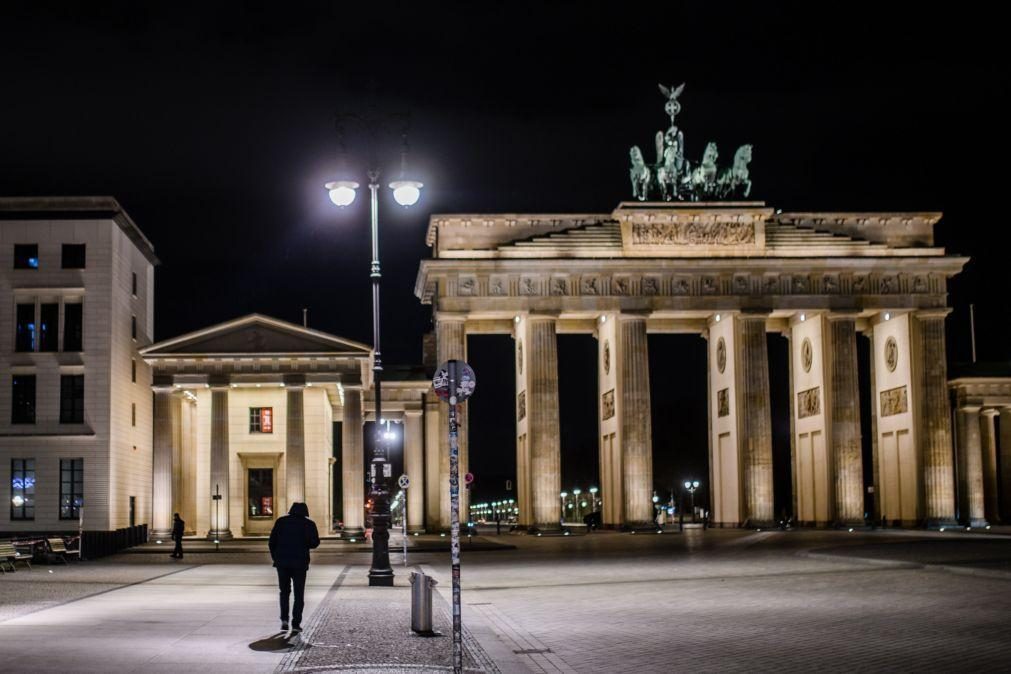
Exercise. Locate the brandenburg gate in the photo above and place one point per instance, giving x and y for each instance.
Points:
(703, 259)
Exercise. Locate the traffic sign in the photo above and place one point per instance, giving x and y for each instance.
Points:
(404, 481)
(465, 381)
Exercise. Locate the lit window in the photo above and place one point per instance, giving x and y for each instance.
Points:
(22, 489)
(261, 492)
(71, 488)
(49, 327)
(26, 256)
(24, 339)
(261, 419)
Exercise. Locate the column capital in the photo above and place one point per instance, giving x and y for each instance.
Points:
(441, 317)
(294, 381)
(842, 315)
(632, 316)
(162, 389)
(413, 413)
(990, 412)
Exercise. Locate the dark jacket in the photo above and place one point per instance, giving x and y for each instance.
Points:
(292, 537)
(178, 527)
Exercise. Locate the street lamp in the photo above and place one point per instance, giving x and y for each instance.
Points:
(406, 193)
(564, 494)
(691, 486)
(593, 497)
(575, 497)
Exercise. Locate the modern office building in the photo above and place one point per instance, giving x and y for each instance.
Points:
(76, 305)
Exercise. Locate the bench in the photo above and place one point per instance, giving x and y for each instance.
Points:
(9, 557)
(58, 548)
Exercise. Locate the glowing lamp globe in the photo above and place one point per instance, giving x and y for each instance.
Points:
(688, 485)
(342, 192)
(406, 192)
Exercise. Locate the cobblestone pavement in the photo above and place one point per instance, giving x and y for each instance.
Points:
(702, 601)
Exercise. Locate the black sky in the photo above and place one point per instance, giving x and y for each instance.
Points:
(213, 125)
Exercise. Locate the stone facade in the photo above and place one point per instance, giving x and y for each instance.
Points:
(115, 290)
(730, 272)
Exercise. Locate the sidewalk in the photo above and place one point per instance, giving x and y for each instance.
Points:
(368, 629)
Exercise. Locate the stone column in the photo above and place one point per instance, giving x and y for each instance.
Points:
(844, 410)
(934, 419)
(451, 342)
(294, 450)
(545, 476)
(1005, 464)
(970, 468)
(352, 464)
(988, 440)
(754, 417)
(162, 464)
(219, 465)
(636, 429)
(414, 468)
(435, 428)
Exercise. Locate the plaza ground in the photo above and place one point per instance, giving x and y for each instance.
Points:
(718, 600)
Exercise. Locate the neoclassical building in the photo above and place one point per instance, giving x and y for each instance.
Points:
(730, 272)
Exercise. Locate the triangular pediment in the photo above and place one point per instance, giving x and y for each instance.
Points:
(257, 335)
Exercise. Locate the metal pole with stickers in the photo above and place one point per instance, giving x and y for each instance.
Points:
(454, 382)
(404, 482)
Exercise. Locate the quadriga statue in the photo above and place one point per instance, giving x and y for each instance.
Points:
(735, 181)
(639, 174)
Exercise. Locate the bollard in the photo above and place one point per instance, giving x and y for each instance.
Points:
(421, 602)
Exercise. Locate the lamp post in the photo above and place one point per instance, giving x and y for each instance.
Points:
(691, 486)
(593, 498)
(564, 494)
(575, 498)
(406, 193)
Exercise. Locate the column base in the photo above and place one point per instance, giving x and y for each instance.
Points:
(160, 534)
(223, 535)
(347, 533)
(639, 527)
(760, 524)
(415, 530)
(545, 530)
(945, 523)
(979, 523)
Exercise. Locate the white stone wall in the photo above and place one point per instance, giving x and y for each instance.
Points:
(610, 454)
(812, 436)
(725, 459)
(899, 466)
(318, 450)
(111, 465)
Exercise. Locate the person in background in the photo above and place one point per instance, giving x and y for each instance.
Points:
(178, 526)
(291, 539)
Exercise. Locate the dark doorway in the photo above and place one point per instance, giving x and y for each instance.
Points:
(133, 511)
(779, 408)
(678, 386)
(866, 395)
(577, 410)
(492, 418)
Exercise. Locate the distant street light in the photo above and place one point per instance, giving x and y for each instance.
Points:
(564, 494)
(593, 497)
(691, 486)
(575, 498)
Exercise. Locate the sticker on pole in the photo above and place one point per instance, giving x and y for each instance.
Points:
(468, 478)
(465, 381)
(404, 482)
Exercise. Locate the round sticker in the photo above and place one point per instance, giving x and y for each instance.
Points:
(468, 478)
(465, 384)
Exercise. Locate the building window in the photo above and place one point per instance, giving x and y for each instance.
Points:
(133, 414)
(49, 327)
(73, 256)
(133, 327)
(71, 488)
(26, 256)
(72, 399)
(261, 419)
(24, 339)
(22, 489)
(134, 282)
(73, 327)
(261, 492)
(23, 399)
(133, 370)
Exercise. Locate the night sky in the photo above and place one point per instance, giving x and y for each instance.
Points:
(213, 125)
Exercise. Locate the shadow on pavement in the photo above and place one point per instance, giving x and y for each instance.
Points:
(280, 642)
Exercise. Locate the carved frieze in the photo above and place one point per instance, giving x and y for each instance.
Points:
(521, 406)
(559, 285)
(723, 402)
(468, 285)
(809, 403)
(528, 285)
(721, 355)
(894, 401)
(589, 285)
(607, 405)
(621, 285)
(806, 354)
(650, 285)
(498, 285)
(697, 233)
(891, 354)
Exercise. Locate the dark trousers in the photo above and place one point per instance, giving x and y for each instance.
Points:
(285, 578)
(178, 552)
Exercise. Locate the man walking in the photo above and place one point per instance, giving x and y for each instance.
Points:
(291, 539)
(178, 526)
